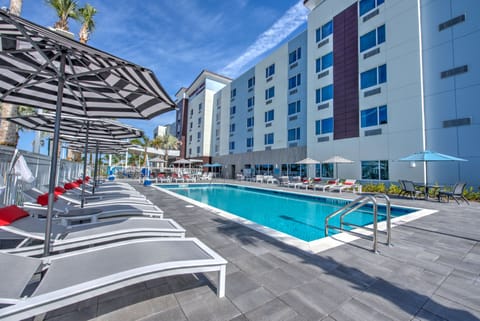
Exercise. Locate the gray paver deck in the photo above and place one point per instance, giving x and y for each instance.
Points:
(432, 272)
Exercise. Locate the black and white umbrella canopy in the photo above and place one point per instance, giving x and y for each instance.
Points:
(95, 83)
(109, 146)
(78, 126)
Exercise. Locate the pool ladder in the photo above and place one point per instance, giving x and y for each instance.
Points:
(357, 204)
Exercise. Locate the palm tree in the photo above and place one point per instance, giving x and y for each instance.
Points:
(166, 142)
(8, 130)
(65, 9)
(143, 142)
(86, 17)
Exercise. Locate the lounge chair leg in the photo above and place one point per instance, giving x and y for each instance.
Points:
(40, 317)
(221, 281)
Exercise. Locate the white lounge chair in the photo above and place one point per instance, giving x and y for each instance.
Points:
(325, 185)
(33, 229)
(348, 184)
(99, 200)
(103, 269)
(64, 208)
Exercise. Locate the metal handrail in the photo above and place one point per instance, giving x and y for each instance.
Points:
(355, 205)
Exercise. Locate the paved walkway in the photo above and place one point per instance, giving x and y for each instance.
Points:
(432, 272)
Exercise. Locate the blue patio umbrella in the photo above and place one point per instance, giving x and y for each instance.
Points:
(430, 156)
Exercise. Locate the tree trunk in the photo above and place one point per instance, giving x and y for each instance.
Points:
(8, 130)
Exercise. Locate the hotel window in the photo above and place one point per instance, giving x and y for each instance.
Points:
(231, 146)
(295, 55)
(324, 126)
(324, 31)
(250, 122)
(269, 93)
(294, 81)
(294, 134)
(233, 110)
(324, 94)
(269, 115)
(249, 142)
(251, 102)
(268, 139)
(372, 38)
(270, 71)
(199, 121)
(233, 93)
(294, 108)
(191, 125)
(373, 77)
(251, 82)
(374, 116)
(190, 138)
(199, 108)
(198, 150)
(367, 5)
(324, 62)
(232, 128)
(199, 135)
(377, 169)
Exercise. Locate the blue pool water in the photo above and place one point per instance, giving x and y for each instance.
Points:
(301, 216)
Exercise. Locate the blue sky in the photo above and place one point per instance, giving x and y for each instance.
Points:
(178, 39)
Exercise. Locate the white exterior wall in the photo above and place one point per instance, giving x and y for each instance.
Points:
(279, 101)
(194, 128)
(221, 102)
(454, 97)
(401, 93)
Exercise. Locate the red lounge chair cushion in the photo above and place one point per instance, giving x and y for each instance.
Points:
(69, 186)
(332, 182)
(59, 190)
(348, 183)
(10, 214)
(43, 199)
(79, 181)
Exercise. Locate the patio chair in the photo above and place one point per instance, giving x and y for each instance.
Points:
(348, 184)
(294, 180)
(177, 179)
(324, 185)
(18, 222)
(411, 190)
(103, 269)
(456, 193)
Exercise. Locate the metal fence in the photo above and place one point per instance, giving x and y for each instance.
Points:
(12, 187)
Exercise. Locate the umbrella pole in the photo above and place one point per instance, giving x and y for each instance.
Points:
(53, 165)
(95, 170)
(85, 167)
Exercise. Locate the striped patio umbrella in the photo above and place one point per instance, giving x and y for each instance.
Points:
(43, 69)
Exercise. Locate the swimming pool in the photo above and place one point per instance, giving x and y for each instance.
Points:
(300, 216)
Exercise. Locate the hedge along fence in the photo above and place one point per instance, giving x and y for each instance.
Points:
(470, 192)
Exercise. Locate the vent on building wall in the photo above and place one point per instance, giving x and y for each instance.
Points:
(268, 102)
(323, 42)
(457, 122)
(371, 15)
(268, 148)
(268, 124)
(292, 118)
(295, 64)
(451, 22)
(372, 92)
(454, 71)
(269, 79)
(323, 139)
(293, 145)
(323, 106)
(373, 132)
(293, 92)
(371, 53)
(323, 74)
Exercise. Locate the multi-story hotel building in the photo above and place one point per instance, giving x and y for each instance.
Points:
(369, 80)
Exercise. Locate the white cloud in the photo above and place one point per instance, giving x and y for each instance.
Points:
(289, 22)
